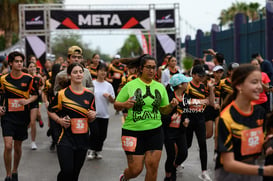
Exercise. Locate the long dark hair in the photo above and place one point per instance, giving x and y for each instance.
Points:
(65, 82)
(54, 71)
(238, 77)
(138, 62)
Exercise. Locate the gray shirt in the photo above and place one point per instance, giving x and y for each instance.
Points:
(87, 80)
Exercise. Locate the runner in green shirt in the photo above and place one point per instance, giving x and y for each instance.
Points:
(142, 136)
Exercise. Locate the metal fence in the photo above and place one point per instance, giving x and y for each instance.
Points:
(237, 43)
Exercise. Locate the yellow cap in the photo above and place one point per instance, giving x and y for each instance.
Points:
(74, 49)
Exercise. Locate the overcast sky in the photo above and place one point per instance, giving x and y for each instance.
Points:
(195, 14)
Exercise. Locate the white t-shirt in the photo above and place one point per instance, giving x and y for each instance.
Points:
(101, 101)
(166, 76)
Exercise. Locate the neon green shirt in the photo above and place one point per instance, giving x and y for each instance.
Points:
(145, 114)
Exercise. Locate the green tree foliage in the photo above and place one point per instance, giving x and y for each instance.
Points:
(131, 47)
(62, 41)
(251, 10)
(187, 63)
(9, 19)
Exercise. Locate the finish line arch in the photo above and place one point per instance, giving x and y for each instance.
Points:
(161, 23)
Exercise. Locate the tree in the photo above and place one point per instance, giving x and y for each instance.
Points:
(131, 47)
(9, 18)
(251, 10)
(62, 41)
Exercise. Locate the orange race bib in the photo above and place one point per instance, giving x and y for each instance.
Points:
(252, 141)
(14, 106)
(129, 143)
(117, 75)
(175, 120)
(79, 125)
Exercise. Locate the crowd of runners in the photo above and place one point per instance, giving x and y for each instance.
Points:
(161, 105)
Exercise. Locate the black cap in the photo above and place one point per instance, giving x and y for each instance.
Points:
(199, 69)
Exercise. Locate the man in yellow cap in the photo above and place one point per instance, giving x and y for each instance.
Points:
(74, 54)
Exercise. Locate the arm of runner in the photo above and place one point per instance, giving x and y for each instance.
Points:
(125, 105)
(109, 97)
(2, 110)
(234, 166)
(211, 97)
(27, 101)
(168, 108)
(64, 122)
(91, 115)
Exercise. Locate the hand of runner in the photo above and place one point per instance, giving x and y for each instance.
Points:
(186, 122)
(130, 103)
(65, 121)
(106, 95)
(174, 102)
(23, 102)
(217, 106)
(269, 151)
(268, 170)
(205, 101)
(2, 110)
(91, 115)
(211, 83)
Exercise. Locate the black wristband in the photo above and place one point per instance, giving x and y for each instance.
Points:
(261, 170)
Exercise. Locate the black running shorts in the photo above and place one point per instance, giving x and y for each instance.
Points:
(145, 140)
(18, 132)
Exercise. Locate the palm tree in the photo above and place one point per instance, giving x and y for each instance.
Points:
(251, 10)
(9, 19)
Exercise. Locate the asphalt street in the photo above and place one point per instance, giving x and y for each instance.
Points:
(42, 164)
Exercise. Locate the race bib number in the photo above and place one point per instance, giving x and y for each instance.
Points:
(13, 105)
(79, 125)
(129, 143)
(117, 75)
(252, 141)
(196, 108)
(175, 120)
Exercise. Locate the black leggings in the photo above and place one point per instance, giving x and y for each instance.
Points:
(172, 156)
(197, 125)
(71, 162)
(98, 133)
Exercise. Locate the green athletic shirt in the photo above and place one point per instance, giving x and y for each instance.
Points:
(149, 98)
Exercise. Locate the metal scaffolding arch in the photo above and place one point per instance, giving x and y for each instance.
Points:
(38, 20)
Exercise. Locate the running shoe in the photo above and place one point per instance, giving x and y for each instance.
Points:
(52, 146)
(41, 123)
(98, 155)
(48, 133)
(122, 178)
(33, 146)
(8, 179)
(215, 156)
(205, 176)
(180, 168)
(91, 155)
(167, 179)
(14, 177)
